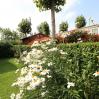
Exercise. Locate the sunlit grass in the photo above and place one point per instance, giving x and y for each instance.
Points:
(8, 76)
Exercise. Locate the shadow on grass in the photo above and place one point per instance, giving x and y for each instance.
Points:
(7, 66)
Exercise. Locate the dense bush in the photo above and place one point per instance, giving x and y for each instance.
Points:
(90, 37)
(18, 49)
(77, 63)
(74, 36)
(8, 50)
(16, 42)
(74, 63)
(81, 36)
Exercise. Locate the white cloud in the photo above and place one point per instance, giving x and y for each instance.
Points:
(12, 11)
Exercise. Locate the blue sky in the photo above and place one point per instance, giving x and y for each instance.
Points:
(89, 8)
(12, 11)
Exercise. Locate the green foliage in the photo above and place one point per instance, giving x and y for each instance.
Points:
(77, 65)
(74, 36)
(80, 21)
(81, 61)
(8, 50)
(81, 36)
(8, 35)
(44, 28)
(48, 4)
(18, 49)
(25, 26)
(63, 27)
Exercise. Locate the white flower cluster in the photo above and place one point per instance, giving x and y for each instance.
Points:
(34, 74)
(32, 57)
(52, 49)
(62, 52)
(17, 96)
(70, 84)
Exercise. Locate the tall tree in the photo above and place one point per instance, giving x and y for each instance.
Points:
(44, 28)
(80, 21)
(63, 27)
(25, 26)
(54, 6)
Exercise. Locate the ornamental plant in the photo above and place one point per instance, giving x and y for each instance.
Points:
(63, 27)
(75, 36)
(80, 21)
(59, 72)
(44, 28)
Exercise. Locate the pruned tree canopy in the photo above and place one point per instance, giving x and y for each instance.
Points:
(80, 21)
(44, 28)
(63, 27)
(48, 4)
(25, 26)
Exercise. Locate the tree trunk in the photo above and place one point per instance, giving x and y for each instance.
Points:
(53, 22)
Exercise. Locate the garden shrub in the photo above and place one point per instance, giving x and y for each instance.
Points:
(74, 36)
(18, 50)
(85, 37)
(16, 42)
(81, 36)
(76, 64)
(6, 50)
(71, 71)
(94, 37)
(90, 37)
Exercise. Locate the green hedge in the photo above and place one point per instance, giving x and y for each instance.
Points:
(18, 49)
(8, 50)
(77, 65)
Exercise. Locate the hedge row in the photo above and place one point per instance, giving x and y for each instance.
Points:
(8, 50)
(77, 65)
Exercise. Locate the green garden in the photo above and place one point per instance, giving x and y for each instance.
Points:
(63, 71)
(61, 68)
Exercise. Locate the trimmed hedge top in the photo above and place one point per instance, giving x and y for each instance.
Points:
(8, 50)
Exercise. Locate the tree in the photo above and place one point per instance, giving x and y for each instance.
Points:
(54, 6)
(8, 35)
(25, 26)
(80, 21)
(63, 26)
(44, 28)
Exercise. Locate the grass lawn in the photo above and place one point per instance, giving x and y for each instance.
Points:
(7, 76)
